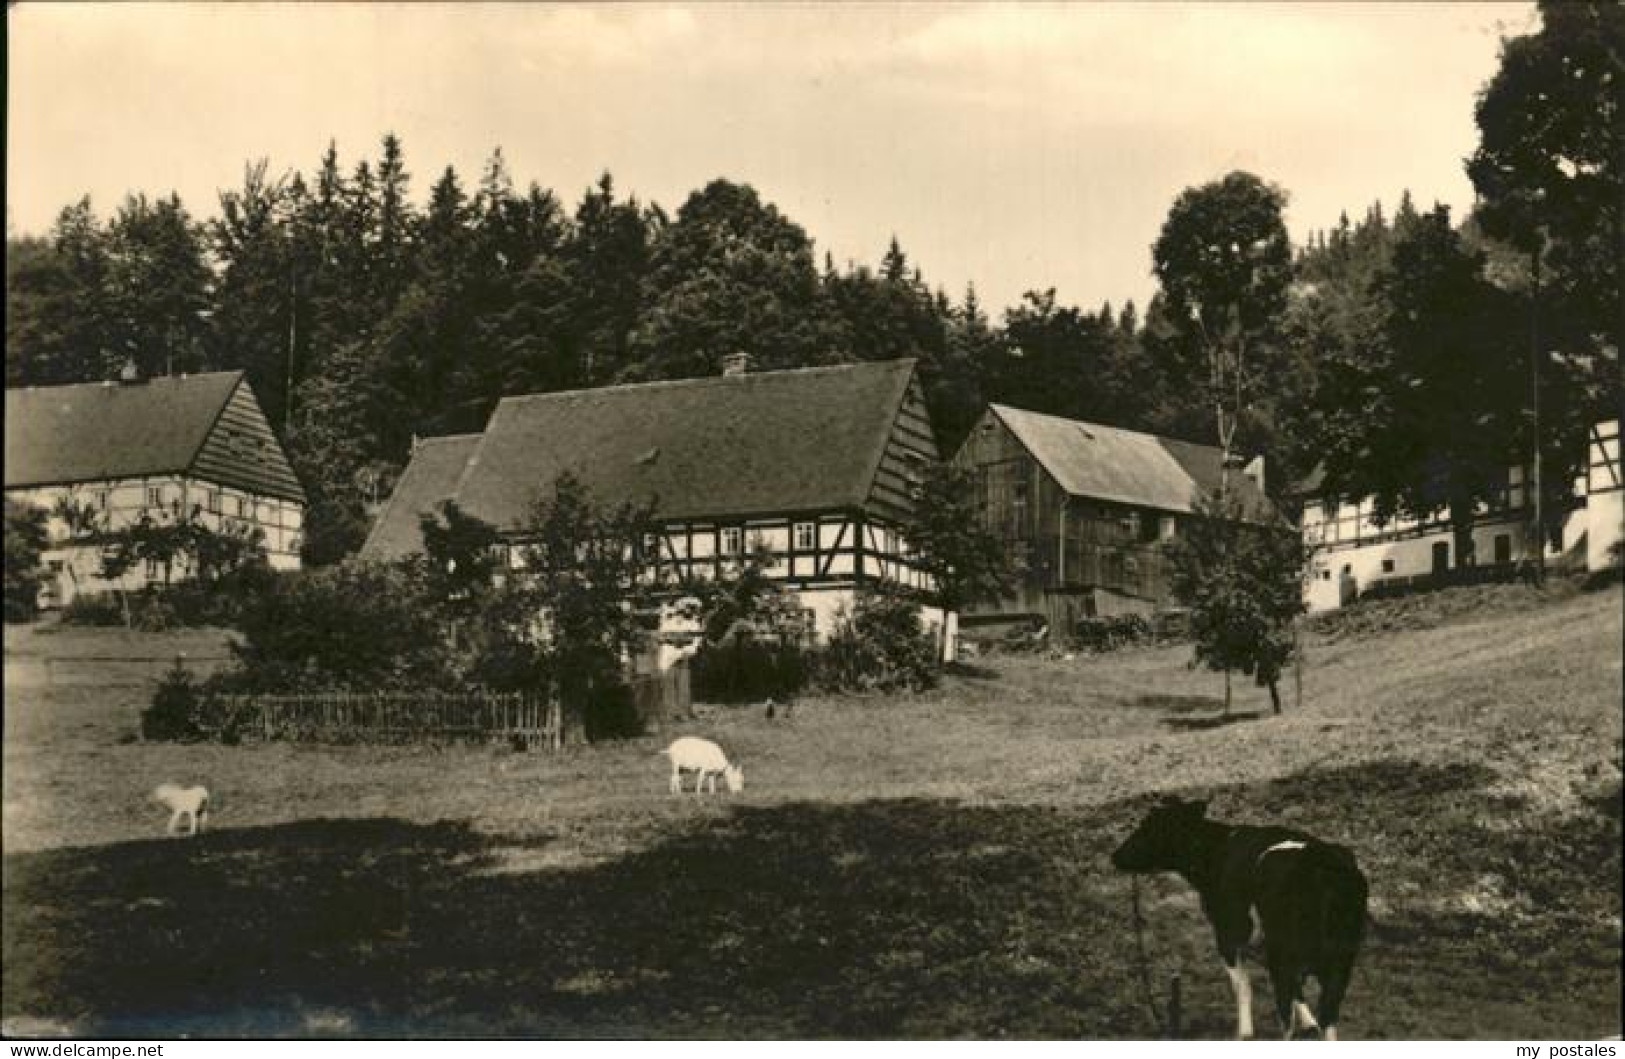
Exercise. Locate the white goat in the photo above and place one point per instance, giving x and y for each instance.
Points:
(704, 757)
(190, 802)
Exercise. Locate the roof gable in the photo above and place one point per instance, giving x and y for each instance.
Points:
(429, 480)
(100, 431)
(1124, 466)
(241, 450)
(720, 447)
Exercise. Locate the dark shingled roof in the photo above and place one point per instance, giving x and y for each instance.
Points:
(725, 447)
(97, 431)
(430, 478)
(1126, 466)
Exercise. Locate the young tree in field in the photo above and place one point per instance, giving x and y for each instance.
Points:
(1224, 263)
(1243, 582)
(25, 541)
(967, 562)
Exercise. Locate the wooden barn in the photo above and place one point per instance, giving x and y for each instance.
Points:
(1085, 511)
(818, 466)
(143, 447)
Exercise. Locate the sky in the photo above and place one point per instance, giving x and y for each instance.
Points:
(1014, 146)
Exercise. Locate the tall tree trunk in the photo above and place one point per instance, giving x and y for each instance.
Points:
(1227, 692)
(1275, 697)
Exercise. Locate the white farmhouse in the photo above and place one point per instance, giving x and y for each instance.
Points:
(144, 447)
(1354, 554)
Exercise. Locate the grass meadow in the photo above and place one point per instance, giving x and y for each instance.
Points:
(896, 867)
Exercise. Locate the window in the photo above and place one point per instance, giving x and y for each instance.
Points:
(1503, 548)
(214, 501)
(1387, 566)
(651, 546)
(731, 538)
(155, 570)
(155, 496)
(103, 498)
(1165, 527)
(242, 506)
(806, 536)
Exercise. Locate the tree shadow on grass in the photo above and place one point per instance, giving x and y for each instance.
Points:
(1207, 721)
(972, 671)
(1177, 704)
(1193, 713)
(882, 919)
(904, 918)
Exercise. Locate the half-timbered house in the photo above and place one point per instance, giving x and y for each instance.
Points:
(815, 469)
(136, 447)
(1085, 510)
(1356, 553)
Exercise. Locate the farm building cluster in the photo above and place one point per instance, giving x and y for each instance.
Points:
(817, 471)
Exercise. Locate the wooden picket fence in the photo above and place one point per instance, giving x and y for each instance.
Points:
(393, 717)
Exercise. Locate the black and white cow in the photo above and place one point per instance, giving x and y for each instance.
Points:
(1310, 897)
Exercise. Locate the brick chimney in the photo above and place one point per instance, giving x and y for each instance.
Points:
(736, 364)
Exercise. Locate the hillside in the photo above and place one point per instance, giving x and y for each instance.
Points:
(914, 867)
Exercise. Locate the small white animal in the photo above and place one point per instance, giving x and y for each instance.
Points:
(692, 754)
(190, 802)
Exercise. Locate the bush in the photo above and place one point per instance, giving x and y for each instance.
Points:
(99, 609)
(611, 712)
(355, 626)
(219, 602)
(173, 715)
(1112, 631)
(153, 614)
(25, 540)
(879, 647)
(747, 669)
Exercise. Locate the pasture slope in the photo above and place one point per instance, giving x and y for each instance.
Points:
(895, 868)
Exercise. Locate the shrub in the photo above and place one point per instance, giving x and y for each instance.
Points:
(611, 711)
(357, 625)
(879, 647)
(97, 609)
(173, 714)
(748, 669)
(221, 601)
(154, 614)
(25, 540)
(1112, 631)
